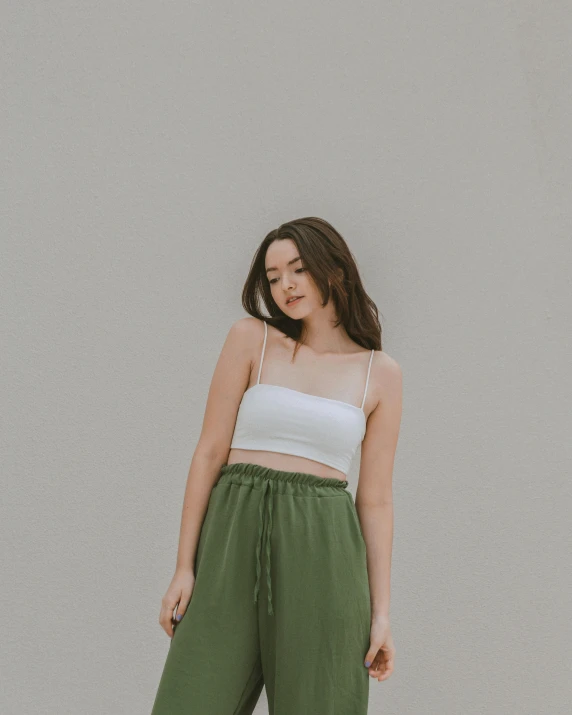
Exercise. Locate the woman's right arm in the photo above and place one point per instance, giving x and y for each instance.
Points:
(230, 379)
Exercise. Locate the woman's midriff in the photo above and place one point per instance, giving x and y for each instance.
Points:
(286, 462)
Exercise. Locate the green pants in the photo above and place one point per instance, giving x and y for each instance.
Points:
(281, 600)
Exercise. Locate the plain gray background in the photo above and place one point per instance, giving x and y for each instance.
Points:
(147, 149)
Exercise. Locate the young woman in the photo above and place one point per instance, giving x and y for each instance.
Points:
(282, 580)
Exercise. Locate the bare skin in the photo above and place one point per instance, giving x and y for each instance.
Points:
(327, 354)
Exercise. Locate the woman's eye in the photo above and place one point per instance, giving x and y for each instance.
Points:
(298, 270)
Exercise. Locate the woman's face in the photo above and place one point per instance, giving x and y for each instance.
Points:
(288, 277)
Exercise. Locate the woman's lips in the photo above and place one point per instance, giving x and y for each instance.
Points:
(295, 301)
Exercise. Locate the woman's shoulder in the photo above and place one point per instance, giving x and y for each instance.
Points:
(253, 328)
(384, 360)
(246, 330)
(386, 375)
(247, 323)
(385, 366)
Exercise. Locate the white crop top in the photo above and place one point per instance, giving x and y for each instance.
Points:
(279, 419)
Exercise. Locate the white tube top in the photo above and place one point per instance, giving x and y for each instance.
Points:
(279, 419)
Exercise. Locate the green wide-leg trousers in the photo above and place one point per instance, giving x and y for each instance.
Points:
(281, 600)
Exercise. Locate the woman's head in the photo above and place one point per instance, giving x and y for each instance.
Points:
(308, 257)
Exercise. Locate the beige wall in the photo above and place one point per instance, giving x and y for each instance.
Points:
(148, 148)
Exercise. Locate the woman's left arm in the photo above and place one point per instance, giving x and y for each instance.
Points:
(374, 504)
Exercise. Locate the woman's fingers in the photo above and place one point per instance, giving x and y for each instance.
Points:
(382, 665)
(177, 597)
(183, 603)
(387, 667)
(387, 672)
(166, 616)
(377, 664)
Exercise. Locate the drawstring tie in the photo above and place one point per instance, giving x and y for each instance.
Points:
(268, 485)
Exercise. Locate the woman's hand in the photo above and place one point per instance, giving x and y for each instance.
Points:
(381, 654)
(178, 596)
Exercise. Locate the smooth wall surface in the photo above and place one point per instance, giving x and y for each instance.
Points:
(147, 149)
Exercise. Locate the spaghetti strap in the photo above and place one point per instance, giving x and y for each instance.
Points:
(367, 379)
(262, 354)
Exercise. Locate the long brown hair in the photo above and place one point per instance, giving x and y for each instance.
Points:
(326, 256)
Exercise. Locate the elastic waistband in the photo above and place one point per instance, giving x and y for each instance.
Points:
(248, 473)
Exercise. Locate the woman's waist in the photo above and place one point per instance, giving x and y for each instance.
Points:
(285, 462)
